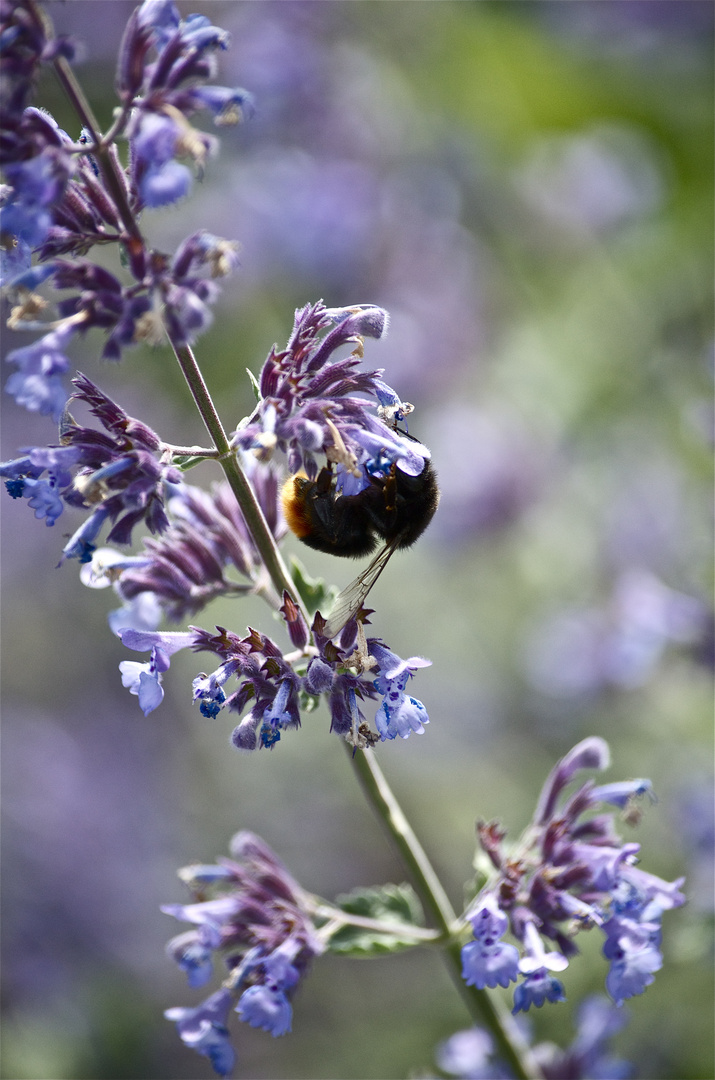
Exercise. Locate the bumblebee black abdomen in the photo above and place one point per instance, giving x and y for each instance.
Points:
(339, 525)
(415, 502)
(397, 508)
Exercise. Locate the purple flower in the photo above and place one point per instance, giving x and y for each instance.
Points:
(207, 536)
(144, 680)
(24, 480)
(572, 871)
(468, 1055)
(204, 1030)
(267, 1008)
(399, 714)
(586, 651)
(487, 961)
(257, 919)
(37, 384)
(165, 92)
(39, 181)
(489, 965)
(633, 950)
(118, 474)
(159, 178)
(537, 988)
(307, 404)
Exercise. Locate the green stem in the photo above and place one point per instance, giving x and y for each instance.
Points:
(250, 507)
(484, 1008)
(101, 151)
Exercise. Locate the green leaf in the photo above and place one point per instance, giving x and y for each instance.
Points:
(254, 384)
(393, 904)
(184, 462)
(313, 591)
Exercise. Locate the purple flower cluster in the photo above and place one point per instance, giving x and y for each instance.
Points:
(571, 871)
(249, 911)
(118, 474)
(189, 564)
(302, 390)
(277, 687)
(162, 93)
(307, 407)
(33, 150)
(63, 198)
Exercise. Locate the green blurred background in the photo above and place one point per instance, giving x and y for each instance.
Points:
(528, 189)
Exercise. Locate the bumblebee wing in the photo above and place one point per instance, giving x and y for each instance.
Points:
(351, 599)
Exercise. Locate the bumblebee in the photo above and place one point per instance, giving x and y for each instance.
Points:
(396, 508)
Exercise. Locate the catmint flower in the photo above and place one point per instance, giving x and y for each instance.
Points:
(257, 921)
(598, 1021)
(144, 680)
(308, 406)
(399, 714)
(165, 92)
(537, 987)
(81, 544)
(468, 1055)
(574, 872)
(24, 42)
(37, 170)
(24, 480)
(115, 473)
(204, 1030)
(207, 536)
(37, 384)
(488, 961)
(587, 651)
(159, 179)
(264, 1007)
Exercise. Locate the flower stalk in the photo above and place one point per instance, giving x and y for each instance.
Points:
(245, 495)
(483, 1008)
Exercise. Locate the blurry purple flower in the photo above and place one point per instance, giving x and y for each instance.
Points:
(468, 1056)
(37, 384)
(38, 180)
(22, 480)
(204, 1030)
(487, 961)
(537, 988)
(81, 544)
(187, 566)
(490, 472)
(593, 181)
(160, 180)
(258, 921)
(266, 1007)
(585, 651)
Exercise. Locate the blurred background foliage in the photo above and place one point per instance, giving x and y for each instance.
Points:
(528, 188)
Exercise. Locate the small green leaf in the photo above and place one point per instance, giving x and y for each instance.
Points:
(393, 904)
(313, 591)
(189, 461)
(254, 384)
